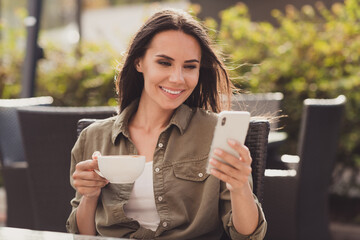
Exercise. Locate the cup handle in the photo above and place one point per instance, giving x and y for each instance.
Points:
(99, 173)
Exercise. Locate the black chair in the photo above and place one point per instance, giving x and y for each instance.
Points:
(13, 162)
(256, 141)
(296, 200)
(49, 134)
(265, 105)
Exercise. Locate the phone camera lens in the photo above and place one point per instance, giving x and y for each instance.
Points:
(223, 121)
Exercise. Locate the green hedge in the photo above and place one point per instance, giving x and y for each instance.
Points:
(81, 77)
(73, 77)
(12, 55)
(312, 53)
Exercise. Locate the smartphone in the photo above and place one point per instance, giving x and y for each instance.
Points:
(230, 125)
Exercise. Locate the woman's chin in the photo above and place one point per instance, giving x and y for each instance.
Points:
(170, 107)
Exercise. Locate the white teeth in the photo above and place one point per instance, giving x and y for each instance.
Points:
(169, 91)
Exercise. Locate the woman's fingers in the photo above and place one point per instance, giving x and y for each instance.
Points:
(235, 180)
(228, 158)
(242, 150)
(89, 183)
(96, 155)
(85, 180)
(87, 165)
(221, 175)
(235, 173)
(234, 164)
(87, 175)
(232, 170)
(223, 167)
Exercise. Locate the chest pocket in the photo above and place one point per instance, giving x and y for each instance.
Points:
(192, 170)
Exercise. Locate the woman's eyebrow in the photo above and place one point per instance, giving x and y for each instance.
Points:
(170, 58)
(164, 56)
(192, 60)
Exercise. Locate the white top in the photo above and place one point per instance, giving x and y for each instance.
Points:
(141, 205)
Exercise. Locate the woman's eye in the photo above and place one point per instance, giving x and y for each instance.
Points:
(164, 63)
(190, 66)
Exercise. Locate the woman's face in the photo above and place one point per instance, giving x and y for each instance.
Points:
(170, 67)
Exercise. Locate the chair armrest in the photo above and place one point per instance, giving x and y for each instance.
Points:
(291, 161)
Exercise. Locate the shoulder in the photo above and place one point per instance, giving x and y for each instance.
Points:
(100, 127)
(196, 136)
(201, 125)
(203, 117)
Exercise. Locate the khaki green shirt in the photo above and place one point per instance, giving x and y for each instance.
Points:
(191, 203)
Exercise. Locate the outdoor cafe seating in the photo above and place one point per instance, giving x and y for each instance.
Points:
(12, 160)
(296, 199)
(36, 145)
(49, 134)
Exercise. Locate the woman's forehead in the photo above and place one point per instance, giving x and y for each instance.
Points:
(176, 43)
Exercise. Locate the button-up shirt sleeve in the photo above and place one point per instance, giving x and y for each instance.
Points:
(226, 214)
(76, 156)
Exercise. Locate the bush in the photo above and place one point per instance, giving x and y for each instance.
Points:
(12, 54)
(312, 53)
(73, 77)
(73, 80)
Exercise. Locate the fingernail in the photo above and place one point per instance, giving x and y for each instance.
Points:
(231, 142)
(95, 155)
(218, 151)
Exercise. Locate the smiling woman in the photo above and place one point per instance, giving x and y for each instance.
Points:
(170, 74)
(170, 82)
(213, 78)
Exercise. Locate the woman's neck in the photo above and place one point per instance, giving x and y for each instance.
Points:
(150, 117)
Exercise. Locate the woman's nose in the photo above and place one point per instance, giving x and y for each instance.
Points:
(177, 76)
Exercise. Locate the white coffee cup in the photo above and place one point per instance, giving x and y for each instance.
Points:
(121, 168)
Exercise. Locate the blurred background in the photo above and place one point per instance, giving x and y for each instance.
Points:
(301, 48)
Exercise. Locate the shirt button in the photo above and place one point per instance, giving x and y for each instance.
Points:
(160, 198)
(160, 145)
(157, 169)
(200, 174)
(164, 224)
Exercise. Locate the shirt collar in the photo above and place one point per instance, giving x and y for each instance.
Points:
(122, 121)
(180, 119)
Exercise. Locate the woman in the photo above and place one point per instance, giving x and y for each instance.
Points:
(170, 80)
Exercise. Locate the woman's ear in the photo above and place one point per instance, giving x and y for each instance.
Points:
(138, 65)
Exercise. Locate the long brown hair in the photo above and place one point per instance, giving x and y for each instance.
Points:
(214, 82)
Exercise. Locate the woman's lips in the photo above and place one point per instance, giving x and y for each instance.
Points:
(173, 92)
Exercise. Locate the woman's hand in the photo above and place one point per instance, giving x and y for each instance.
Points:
(86, 181)
(236, 175)
(244, 211)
